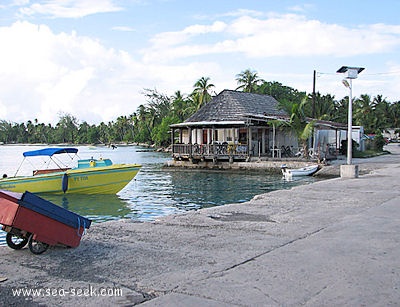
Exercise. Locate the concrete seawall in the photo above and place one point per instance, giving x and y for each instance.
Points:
(331, 243)
(255, 164)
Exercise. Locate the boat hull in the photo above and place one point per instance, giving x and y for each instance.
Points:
(304, 171)
(98, 180)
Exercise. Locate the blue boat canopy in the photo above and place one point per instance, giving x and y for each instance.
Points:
(50, 151)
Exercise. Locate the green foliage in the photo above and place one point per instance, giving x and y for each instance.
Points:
(67, 128)
(150, 122)
(343, 147)
(248, 81)
(323, 107)
(378, 142)
(161, 133)
(283, 94)
(375, 114)
(298, 121)
(201, 93)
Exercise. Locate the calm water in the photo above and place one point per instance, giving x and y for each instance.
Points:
(155, 191)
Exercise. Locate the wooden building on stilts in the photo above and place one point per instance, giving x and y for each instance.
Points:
(240, 126)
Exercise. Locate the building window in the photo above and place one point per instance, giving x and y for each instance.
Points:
(243, 135)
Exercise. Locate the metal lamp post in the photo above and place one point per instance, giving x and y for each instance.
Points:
(352, 73)
(349, 85)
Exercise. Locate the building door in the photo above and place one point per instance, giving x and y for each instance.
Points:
(243, 136)
(266, 141)
(256, 142)
(205, 138)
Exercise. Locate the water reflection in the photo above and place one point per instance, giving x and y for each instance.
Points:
(158, 192)
(98, 208)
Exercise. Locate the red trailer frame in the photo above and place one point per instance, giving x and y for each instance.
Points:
(29, 219)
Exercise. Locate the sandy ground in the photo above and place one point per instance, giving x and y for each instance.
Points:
(334, 242)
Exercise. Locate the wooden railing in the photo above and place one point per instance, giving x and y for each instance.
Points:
(209, 150)
(239, 151)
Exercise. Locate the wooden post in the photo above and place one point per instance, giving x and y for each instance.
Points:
(190, 142)
(313, 95)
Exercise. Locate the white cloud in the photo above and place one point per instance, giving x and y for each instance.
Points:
(123, 29)
(68, 8)
(243, 12)
(284, 35)
(166, 39)
(290, 40)
(171, 45)
(43, 73)
(301, 8)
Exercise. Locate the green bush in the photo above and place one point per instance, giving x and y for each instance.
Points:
(343, 148)
(378, 142)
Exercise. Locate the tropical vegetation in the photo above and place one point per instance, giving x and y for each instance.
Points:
(150, 122)
(298, 122)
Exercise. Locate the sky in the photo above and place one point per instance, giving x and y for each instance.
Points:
(93, 58)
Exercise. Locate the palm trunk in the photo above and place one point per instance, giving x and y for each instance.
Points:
(305, 149)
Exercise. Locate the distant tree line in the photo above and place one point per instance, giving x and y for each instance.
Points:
(150, 122)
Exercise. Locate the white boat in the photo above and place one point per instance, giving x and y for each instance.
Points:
(303, 171)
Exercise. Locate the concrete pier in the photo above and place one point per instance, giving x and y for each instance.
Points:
(349, 171)
(331, 243)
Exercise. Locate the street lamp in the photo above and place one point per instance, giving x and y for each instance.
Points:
(349, 85)
(352, 73)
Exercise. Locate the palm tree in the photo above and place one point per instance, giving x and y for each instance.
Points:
(382, 112)
(104, 134)
(201, 90)
(30, 130)
(340, 110)
(298, 122)
(6, 131)
(364, 113)
(179, 106)
(248, 81)
(68, 127)
(193, 104)
(395, 114)
(324, 107)
(121, 128)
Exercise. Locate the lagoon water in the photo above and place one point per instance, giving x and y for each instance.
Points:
(155, 191)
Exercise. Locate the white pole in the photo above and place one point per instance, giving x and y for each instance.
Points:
(273, 140)
(350, 126)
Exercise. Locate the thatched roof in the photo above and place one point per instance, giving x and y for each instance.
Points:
(232, 107)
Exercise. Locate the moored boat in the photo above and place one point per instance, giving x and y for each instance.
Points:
(303, 171)
(90, 176)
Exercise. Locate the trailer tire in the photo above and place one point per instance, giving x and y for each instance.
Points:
(16, 242)
(37, 247)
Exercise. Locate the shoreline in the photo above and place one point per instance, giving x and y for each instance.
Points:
(332, 242)
(329, 170)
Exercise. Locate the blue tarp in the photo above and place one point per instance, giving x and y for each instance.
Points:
(47, 208)
(49, 151)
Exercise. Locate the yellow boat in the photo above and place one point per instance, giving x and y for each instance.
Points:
(91, 176)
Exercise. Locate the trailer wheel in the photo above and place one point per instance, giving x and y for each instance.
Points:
(37, 247)
(15, 242)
